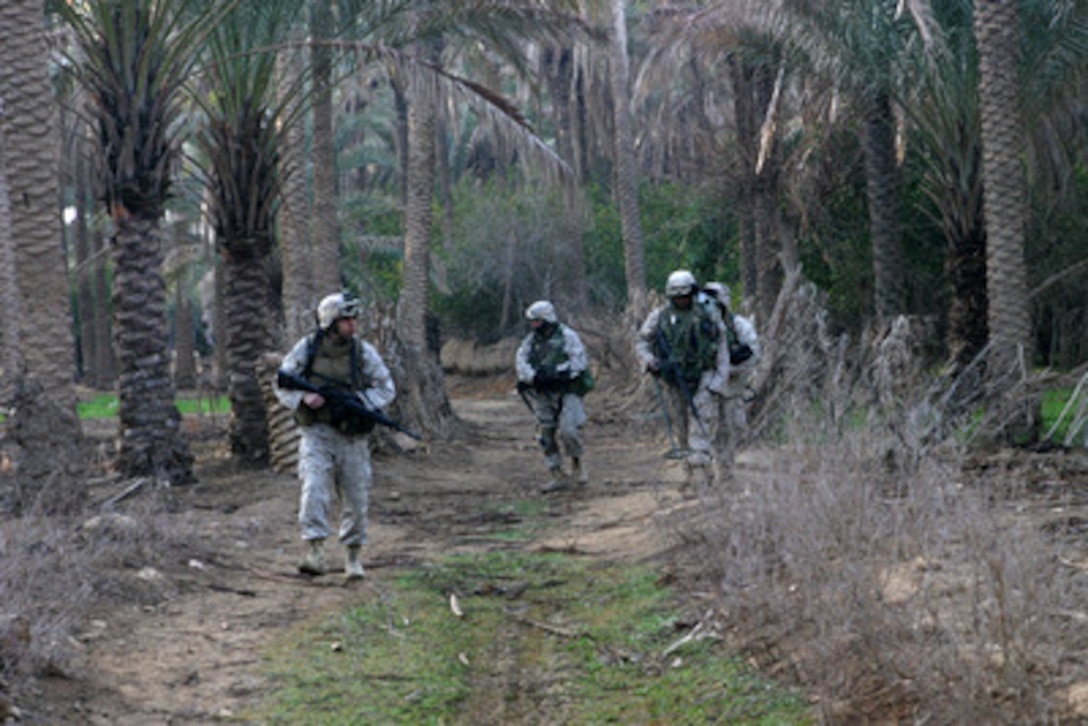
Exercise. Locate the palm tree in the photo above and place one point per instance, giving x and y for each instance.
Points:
(867, 46)
(745, 38)
(421, 32)
(945, 121)
(626, 175)
(44, 423)
(1004, 197)
(135, 59)
(246, 117)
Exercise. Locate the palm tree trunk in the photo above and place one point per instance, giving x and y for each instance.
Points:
(398, 84)
(84, 272)
(746, 112)
(10, 302)
(579, 116)
(185, 338)
(299, 295)
(1004, 193)
(412, 305)
(966, 269)
(150, 437)
(45, 426)
(421, 390)
(768, 249)
(326, 240)
(626, 178)
(559, 70)
(881, 177)
(246, 280)
(105, 365)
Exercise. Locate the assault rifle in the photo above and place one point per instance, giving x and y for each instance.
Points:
(344, 400)
(666, 357)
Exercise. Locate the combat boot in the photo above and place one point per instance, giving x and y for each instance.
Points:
(314, 561)
(353, 568)
(557, 483)
(702, 479)
(578, 471)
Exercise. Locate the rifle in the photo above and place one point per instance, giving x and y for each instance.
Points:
(674, 452)
(340, 398)
(666, 355)
(523, 387)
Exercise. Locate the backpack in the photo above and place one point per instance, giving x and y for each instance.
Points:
(738, 351)
(582, 384)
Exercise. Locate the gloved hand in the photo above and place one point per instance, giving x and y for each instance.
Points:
(718, 385)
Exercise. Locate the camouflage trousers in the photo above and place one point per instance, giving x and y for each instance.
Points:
(732, 425)
(333, 465)
(559, 418)
(695, 430)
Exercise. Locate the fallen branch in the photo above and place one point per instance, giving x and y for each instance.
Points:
(127, 492)
(554, 629)
(227, 588)
(686, 639)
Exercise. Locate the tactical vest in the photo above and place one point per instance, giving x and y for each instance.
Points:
(335, 365)
(548, 351)
(687, 343)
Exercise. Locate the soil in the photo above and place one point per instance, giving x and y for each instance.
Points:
(187, 649)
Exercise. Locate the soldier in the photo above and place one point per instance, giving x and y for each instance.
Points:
(552, 366)
(744, 353)
(334, 450)
(683, 344)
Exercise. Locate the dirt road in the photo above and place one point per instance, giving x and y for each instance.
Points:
(180, 643)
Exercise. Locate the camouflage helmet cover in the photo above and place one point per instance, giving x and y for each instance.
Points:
(335, 306)
(717, 290)
(680, 282)
(542, 310)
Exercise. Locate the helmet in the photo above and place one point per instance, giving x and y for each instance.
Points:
(680, 283)
(718, 291)
(542, 310)
(336, 306)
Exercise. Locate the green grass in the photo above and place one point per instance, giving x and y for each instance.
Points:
(1052, 404)
(104, 405)
(544, 636)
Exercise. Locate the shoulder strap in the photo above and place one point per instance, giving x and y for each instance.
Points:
(311, 353)
(356, 364)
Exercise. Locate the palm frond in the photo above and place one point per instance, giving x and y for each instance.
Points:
(133, 59)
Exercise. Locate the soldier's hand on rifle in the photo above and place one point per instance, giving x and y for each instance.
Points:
(544, 377)
(313, 400)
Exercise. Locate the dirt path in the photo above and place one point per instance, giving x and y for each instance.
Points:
(181, 644)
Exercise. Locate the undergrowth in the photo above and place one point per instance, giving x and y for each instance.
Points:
(904, 567)
(541, 638)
